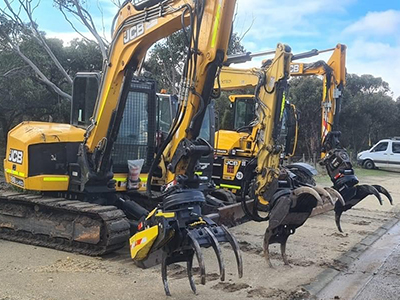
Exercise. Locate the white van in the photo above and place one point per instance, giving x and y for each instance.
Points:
(384, 154)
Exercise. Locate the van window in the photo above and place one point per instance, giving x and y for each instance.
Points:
(380, 147)
(396, 147)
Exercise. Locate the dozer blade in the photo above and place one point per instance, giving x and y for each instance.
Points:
(62, 224)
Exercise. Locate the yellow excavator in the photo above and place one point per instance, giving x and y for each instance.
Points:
(237, 148)
(78, 208)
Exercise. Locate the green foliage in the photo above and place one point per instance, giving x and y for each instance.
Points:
(24, 96)
(368, 113)
(166, 60)
(306, 94)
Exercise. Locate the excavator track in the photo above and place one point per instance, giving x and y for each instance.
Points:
(62, 224)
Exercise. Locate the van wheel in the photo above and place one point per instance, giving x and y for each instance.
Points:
(369, 164)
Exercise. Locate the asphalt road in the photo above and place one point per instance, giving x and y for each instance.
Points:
(385, 283)
(374, 275)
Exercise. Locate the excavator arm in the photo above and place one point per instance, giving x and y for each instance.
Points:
(176, 230)
(333, 155)
(137, 28)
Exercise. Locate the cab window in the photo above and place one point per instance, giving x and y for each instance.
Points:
(244, 112)
(381, 147)
(396, 147)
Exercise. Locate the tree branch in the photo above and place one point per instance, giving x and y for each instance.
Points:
(87, 20)
(39, 38)
(39, 73)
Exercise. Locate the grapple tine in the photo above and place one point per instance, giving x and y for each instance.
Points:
(308, 190)
(371, 190)
(337, 220)
(218, 253)
(336, 194)
(267, 236)
(384, 191)
(200, 259)
(164, 274)
(236, 249)
(283, 252)
(190, 274)
(324, 193)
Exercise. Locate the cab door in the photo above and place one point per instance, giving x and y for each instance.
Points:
(380, 154)
(394, 156)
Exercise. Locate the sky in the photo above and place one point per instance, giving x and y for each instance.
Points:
(369, 28)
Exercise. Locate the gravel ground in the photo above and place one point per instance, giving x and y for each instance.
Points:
(29, 272)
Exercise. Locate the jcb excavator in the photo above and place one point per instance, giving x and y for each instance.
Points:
(240, 148)
(78, 208)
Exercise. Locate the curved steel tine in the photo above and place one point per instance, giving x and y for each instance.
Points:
(308, 190)
(384, 191)
(267, 236)
(236, 249)
(324, 193)
(190, 275)
(218, 253)
(371, 190)
(199, 256)
(337, 194)
(164, 274)
(283, 252)
(337, 221)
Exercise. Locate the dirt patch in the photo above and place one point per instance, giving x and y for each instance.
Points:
(29, 272)
(363, 223)
(299, 294)
(340, 235)
(180, 272)
(251, 248)
(230, 287)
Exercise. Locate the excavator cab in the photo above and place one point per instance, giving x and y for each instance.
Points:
(236, 145)
(244, 112)
(143, 120)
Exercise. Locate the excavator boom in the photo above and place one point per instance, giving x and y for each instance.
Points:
(73, 167)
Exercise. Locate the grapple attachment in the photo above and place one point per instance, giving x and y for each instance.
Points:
(341, 172)
(181, 231)
(289, 209)
(355, 194)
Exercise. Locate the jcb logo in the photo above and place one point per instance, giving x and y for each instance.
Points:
(294, 68)
(231, 162)
(133, 32)
(16, 156)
